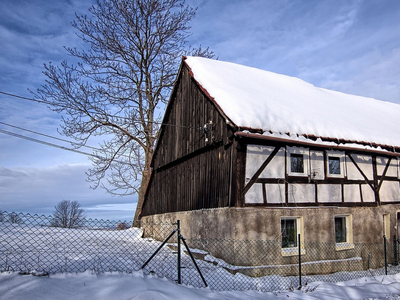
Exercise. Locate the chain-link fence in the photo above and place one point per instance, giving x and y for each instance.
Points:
(29, 244)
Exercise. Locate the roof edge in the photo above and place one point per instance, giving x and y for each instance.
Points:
(204, 90)
(388, 150)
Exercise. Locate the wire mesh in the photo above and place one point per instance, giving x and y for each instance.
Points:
(30, 244)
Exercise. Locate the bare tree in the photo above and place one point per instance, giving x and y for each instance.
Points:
(120, 84)
(68, 214)
(14, 218)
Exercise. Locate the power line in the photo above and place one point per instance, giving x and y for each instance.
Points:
(45, 135)
(54, 145)
(46, 143)
(120, 117)
(53, 137)
(24, 98)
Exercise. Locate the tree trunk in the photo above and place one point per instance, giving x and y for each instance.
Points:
(143, 185)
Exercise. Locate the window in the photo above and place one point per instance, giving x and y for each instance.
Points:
(343, 232)
(291, 227)
(340, 230)
(335, 164)
(296, 163)
(289, 233)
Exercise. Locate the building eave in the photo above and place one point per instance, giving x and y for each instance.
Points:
(323, 142)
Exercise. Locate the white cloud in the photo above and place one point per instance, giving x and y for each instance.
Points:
(375, 75)
(38, 190)
(327, 43)
(120, 211)
(347, 45)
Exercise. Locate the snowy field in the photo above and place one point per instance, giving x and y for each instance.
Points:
(119, 286)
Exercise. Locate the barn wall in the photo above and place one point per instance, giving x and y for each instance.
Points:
(188, 112)
(201, 181)
(238, 235)
(255, 223)
(191, 167)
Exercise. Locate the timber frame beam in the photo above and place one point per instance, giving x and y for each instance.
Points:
(260, 170)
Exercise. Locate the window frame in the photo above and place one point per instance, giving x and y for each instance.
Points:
(306, 160)
(341, 156)
(398, 167)
(386, 225)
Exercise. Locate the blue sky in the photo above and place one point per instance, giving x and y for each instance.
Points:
(349, 46)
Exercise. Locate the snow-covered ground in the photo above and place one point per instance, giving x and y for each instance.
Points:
(105, 264)
(118, 286)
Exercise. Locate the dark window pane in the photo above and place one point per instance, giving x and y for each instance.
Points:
(340, 229)
(289, 233)
(296, 163)
(334, 165)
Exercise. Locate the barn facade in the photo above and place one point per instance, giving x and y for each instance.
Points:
(246, 154)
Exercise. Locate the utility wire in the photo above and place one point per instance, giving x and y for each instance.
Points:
(46, 143)
(46, 135)
(24, 98)
(119, 117)
(56, 146)
(53, 137)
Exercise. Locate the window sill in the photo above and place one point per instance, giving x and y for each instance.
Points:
(344, 246)
(292, 251)
(334, 176)
(293, 174)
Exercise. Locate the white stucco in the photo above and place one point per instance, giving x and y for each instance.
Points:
(329, 193)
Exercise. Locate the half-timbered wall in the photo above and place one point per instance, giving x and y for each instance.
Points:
(192, 163)
(359, 178)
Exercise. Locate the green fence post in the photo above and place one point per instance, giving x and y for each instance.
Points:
(178, 222)
(299, 246)
(395, 255)
(384, 247)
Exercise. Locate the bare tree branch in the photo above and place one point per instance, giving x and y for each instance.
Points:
(68, 214)
(126, 72)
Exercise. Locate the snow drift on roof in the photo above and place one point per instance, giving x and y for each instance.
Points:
(255, 98)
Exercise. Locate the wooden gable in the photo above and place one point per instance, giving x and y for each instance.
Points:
(192, 165)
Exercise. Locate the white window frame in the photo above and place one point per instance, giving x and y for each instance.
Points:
(386, 225)
(341, 157)
(348, 244)
(398, 167)
(306, 160)
(292, 251)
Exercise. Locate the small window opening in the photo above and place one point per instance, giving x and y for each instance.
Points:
(340, 230)
(289, 233)
(334, 165)
(296, 163)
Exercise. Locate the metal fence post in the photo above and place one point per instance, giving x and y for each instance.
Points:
(299, 246)
(384, 247)
(178, 223)
(395, 255)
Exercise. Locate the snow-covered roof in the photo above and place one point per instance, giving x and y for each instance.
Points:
(276, 103)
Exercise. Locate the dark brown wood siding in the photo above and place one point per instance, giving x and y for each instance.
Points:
(189, 172)
(200, 181)
(183, 132)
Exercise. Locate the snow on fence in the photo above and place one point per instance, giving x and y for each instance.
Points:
(29, 244)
